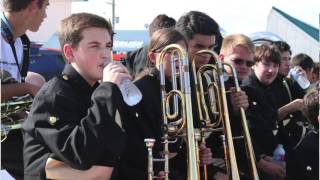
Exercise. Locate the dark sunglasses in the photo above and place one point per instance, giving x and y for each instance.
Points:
(240, 62)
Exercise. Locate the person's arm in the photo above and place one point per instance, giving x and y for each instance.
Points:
(272, 169)
(17, 89)
(295, 105)
(33, 83)
(58, 170)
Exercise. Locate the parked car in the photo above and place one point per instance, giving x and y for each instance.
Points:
(48, 62)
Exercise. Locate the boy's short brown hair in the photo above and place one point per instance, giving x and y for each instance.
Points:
(70, 30)
(269, 53)
(311, 105)
(234, 40)
(18, 5)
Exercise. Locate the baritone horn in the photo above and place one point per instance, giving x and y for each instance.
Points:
(176, 113)
(218, 107)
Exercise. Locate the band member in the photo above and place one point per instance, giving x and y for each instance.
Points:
(136, 60)
(263, 115)
(237, 50)
(304, 161)
(202, 33)
(286, 90)
(148, 113)
(16, 18)
(71, 130)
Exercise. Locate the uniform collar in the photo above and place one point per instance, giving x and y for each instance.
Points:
(70, 74)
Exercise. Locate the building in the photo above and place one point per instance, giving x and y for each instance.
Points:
(302, 37)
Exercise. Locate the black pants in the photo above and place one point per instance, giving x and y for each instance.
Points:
(12, 154)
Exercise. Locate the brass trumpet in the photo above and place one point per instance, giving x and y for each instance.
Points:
(177, 122)
(218, 106)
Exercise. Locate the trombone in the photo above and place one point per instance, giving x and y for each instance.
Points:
(218, 106)
(177, 122)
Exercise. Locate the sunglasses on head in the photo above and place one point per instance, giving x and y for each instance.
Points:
(240, 62)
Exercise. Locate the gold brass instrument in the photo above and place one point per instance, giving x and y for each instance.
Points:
(217, 97)
(246, 133)
(176, 122)
(13, 113)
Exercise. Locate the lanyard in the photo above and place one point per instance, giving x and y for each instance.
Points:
(6, 32)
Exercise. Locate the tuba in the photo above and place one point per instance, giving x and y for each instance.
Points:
(218, 107)
(176, 114)
(13, 113)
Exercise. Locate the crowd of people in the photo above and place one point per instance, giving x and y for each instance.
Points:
(79, 126)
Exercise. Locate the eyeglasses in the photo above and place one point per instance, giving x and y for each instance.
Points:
(240, 62)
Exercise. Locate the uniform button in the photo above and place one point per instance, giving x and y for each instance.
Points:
(65, 77)
(137, 115)
(254, 103)
(52, 120)
(309, 168)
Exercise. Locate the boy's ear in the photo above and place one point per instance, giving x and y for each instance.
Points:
(68, 53)
(152, 57)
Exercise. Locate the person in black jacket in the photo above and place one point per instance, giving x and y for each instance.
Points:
(16, 18)
(237, 50)
(149, 117)
(71, 130)
(136, 60)
(285, 90)
(202, 33)
(304, 162)
(262, 112)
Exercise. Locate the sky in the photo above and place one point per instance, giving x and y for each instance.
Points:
(234, 16)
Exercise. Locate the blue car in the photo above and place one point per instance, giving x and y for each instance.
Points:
(46, 59)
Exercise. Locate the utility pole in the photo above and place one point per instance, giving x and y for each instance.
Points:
(113, 14)
(113, 5)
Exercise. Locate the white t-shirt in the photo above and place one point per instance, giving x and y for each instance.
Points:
(7, 60)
